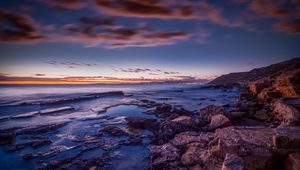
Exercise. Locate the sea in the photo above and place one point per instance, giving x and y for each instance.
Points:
(83, 110)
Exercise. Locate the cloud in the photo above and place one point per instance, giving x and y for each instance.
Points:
(270, 8)
(66, 4)
(144, 70)
(40, 75)
(16, 28)
(291, 27)
(71, 64)
(105, 32)
(165, 9)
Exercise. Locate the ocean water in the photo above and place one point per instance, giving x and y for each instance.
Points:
(30, 106)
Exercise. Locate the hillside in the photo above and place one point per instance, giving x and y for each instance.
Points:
(273, 70)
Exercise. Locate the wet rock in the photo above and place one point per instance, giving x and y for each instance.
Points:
(134, 140)
(165, 108)
(287, 138)
(28, 156)
(207, 112)
(184, 120)
(34, 144)
(293, 162)
(185, 138)
(142, 123)
(218, 121)
(113, 131)
(55, 110)
(168, 130)
(286, 112)
(164, 156)
(253, 144)
(41, 129)
(233, 162)
(7, 138)
(192, 154)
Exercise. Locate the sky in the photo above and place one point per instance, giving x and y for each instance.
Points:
(122, 41)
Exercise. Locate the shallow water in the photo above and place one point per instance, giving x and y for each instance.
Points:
(78, 135)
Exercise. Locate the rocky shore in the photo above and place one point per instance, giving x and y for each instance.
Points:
(261, 132)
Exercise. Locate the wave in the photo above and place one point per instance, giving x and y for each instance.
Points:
(64, 99)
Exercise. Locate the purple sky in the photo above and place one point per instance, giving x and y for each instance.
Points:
(151, 39)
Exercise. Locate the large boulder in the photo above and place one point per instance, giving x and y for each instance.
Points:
(184, 120)
(286, 113)
(253, 144)
(233, 162)
(218, 121)
(185, 138)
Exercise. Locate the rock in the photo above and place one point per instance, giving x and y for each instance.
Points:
(261, 115)
(210, 161)
(165, 108)
(235, 115)
(286, 112)
(293, 162)
(207, 112)
(184, 120)
(288, 83)
(196, 167)
(233, 162)
(287, 138)
(7, 138)
(185, 138)
(41, 129)
(192, 155)
(257, 87)
(163, 155)
(269, 95)
(28, 156)
(55, 110)
(218, 121)
(168, 130)
(198, 122)
(142, 123)
(34, 144)
(253, 144)
(113, 131)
